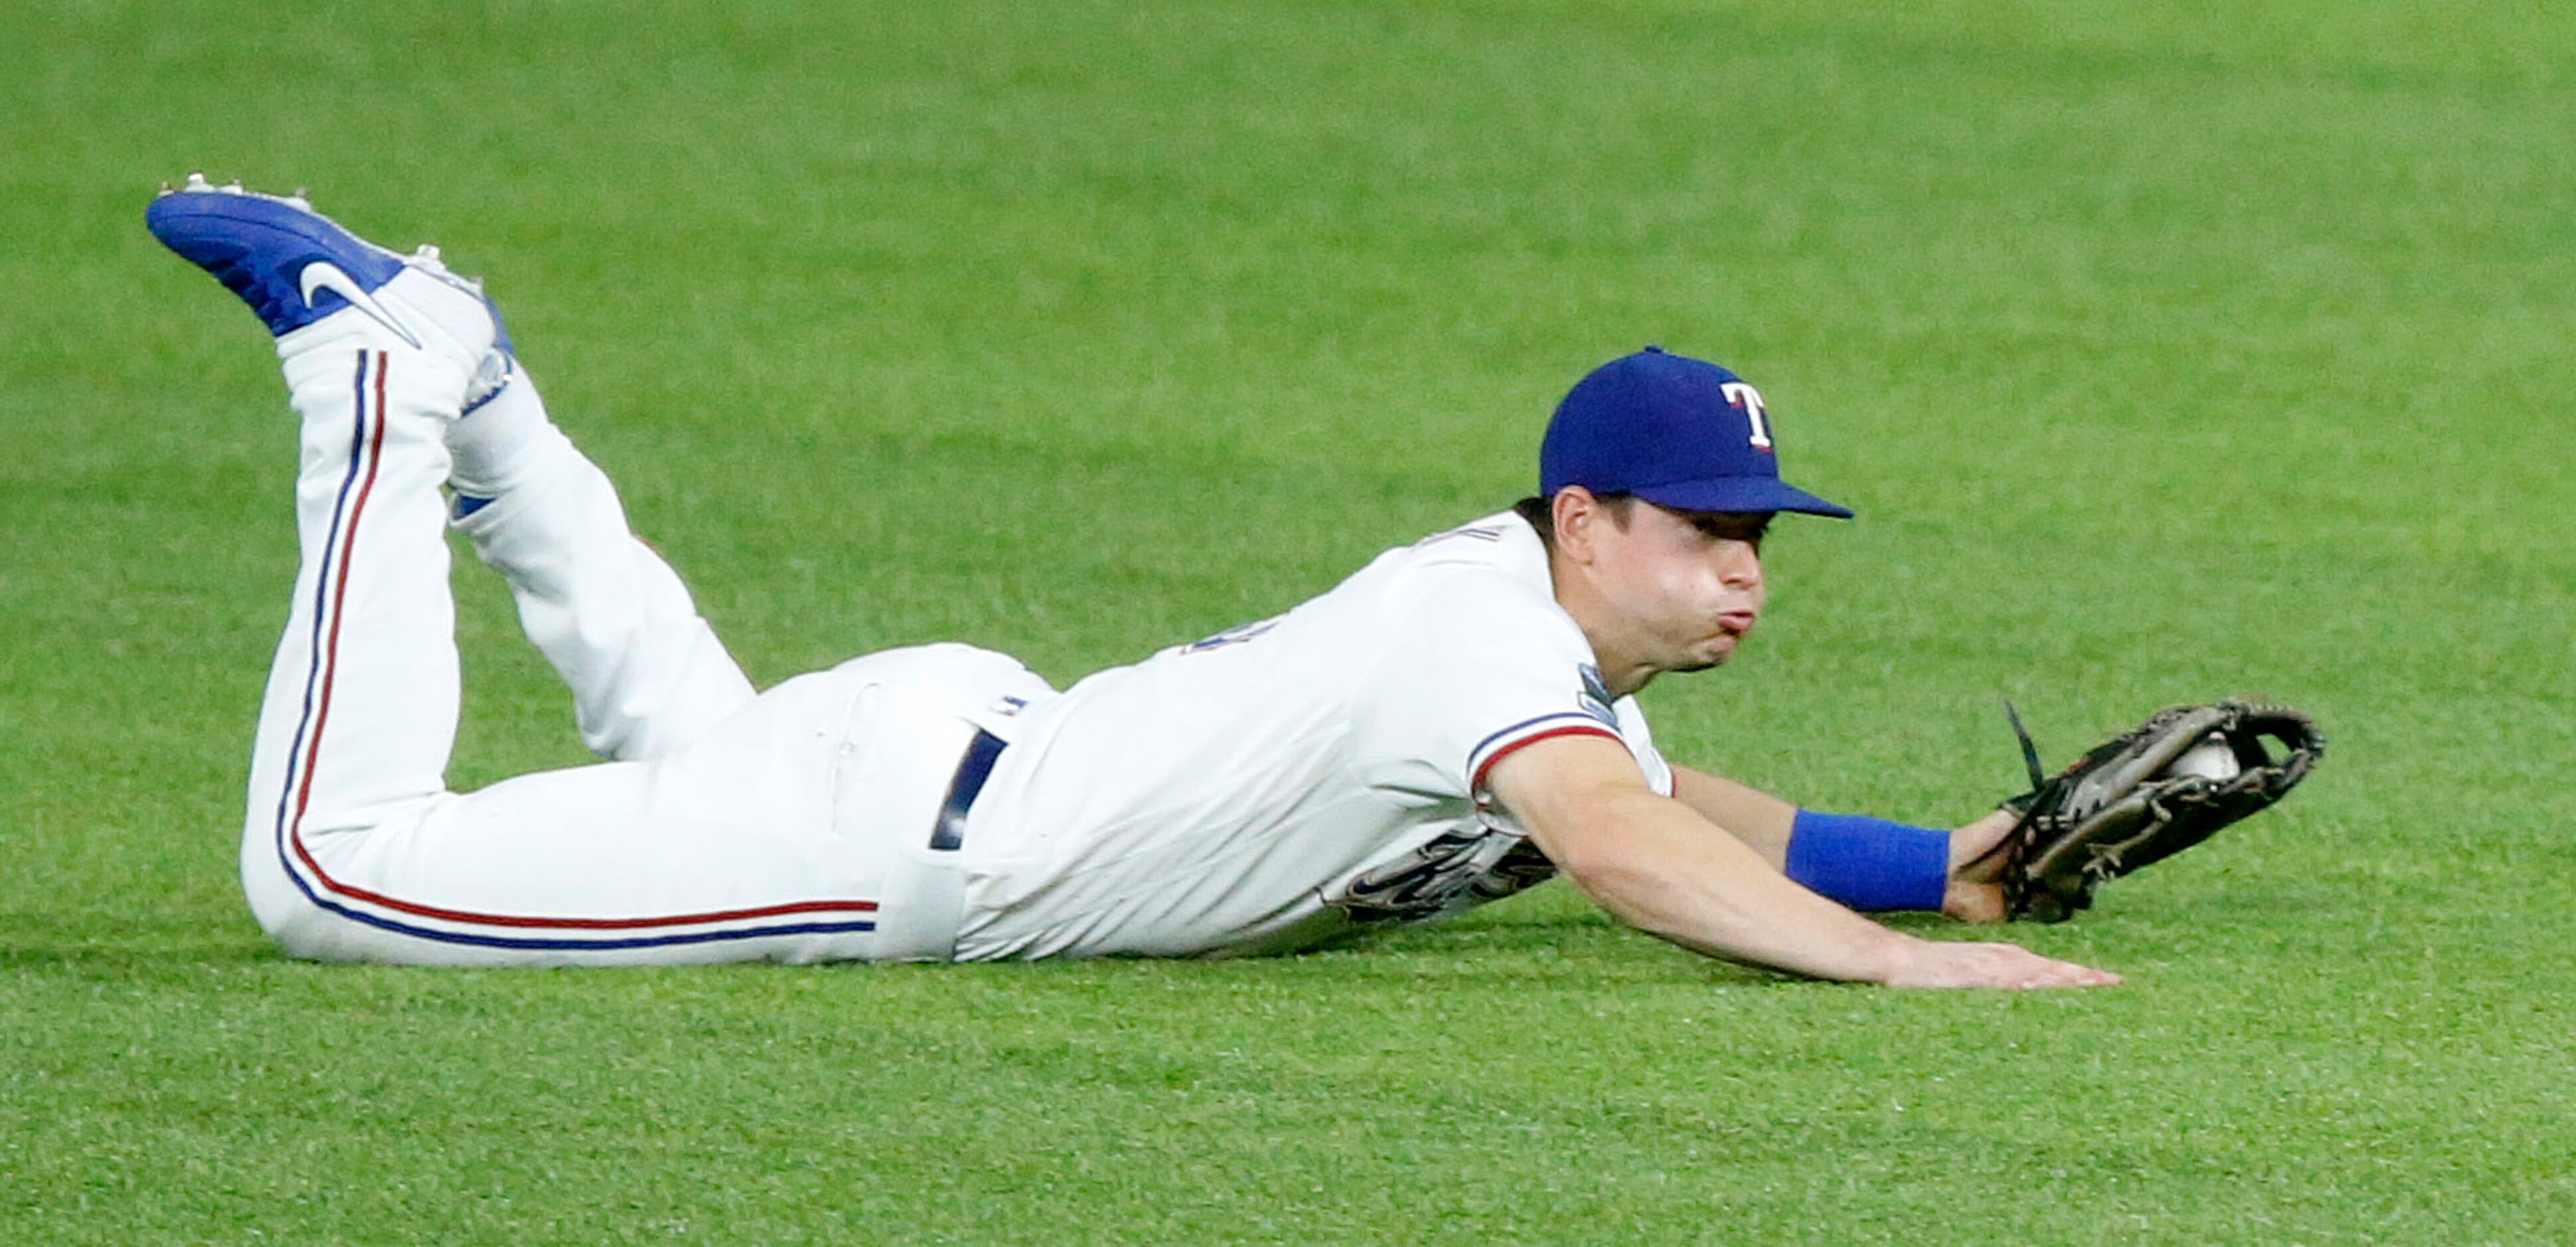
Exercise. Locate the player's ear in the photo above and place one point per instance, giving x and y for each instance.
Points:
(1574, 512)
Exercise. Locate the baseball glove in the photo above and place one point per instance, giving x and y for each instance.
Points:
(2137, 799)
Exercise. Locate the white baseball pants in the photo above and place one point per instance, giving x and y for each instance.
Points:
(726, 826)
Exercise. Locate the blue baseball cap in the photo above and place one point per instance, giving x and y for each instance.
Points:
(1678, 432)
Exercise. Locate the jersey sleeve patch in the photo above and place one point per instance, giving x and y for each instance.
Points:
(1595, 697)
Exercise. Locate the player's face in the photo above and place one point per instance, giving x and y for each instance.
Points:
(1686, 586)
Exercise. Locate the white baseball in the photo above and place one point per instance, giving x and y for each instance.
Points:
(2211, 760)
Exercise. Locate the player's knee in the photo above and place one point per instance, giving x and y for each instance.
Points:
(300, 928)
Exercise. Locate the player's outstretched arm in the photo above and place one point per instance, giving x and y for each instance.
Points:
(1662, 867)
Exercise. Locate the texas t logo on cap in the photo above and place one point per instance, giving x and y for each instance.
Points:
(1750, 401)
(1678, 432)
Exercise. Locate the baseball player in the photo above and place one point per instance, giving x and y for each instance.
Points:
(1452, 724)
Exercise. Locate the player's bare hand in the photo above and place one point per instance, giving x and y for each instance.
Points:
(1976, 892)
(1928, 963)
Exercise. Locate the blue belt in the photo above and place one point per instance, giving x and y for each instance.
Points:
(949, 833)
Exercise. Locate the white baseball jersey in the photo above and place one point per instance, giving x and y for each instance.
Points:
(1288, 781)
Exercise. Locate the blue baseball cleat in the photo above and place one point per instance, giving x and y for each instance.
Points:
(292, 265)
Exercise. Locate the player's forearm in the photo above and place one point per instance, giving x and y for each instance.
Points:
(1757, 818)
(1655, 867)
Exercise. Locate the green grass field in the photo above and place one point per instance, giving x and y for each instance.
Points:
(2168, 354)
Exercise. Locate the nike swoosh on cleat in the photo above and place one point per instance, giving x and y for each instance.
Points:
(324, 275)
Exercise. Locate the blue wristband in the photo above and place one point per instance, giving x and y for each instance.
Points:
(1869, 863)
